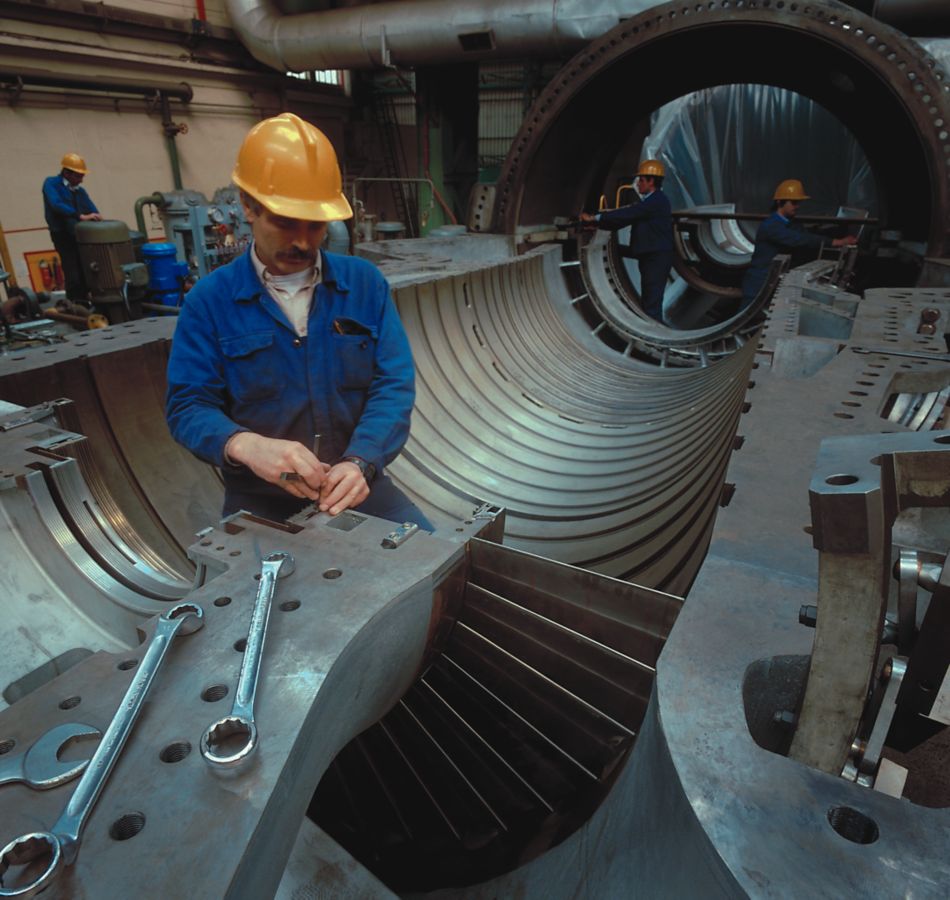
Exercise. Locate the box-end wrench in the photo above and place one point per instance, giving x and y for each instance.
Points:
(61, 843)
(40, 766)
(230, 741)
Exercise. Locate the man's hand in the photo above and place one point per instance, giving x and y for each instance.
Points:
(847, 241)
(344, 487)
(587, 220)
(267, 458)
(90, 217)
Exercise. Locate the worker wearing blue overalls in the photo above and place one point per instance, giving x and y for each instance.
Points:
(779, 233)
(287, 342)
(651, 234)
(66, 203)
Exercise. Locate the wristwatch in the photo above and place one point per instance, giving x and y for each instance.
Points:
(368, 470)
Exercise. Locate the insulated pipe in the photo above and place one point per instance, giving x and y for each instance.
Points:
(419, 32)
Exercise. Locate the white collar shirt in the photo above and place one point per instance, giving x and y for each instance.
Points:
(292, 293)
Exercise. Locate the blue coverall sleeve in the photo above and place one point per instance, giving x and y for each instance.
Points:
(383, 426)
(197, 396)
(622, 216)
(58, 199)
(87, 205)
(790, 238)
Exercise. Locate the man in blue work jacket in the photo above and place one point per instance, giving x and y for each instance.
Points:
(651, 235)
(780, 234)
(66, 203)
(288, 342)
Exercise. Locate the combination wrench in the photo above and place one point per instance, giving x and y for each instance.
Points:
(61, 842)
(230, 741)
(40, 766)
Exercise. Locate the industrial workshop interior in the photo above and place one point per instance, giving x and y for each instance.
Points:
(463, 449)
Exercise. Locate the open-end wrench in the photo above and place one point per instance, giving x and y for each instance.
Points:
(231, 740)
(61, 843)
(40, 766)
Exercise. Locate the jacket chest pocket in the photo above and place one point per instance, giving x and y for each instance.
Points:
(354, 353)
(250, 366)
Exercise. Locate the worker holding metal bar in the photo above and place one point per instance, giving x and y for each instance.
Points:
(651, 236)
(290, 368)
(66, 204)
(779, 233)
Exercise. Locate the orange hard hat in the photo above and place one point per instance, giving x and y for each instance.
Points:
(790, 189)
(75, 163)
(290, 167)
(651, 167)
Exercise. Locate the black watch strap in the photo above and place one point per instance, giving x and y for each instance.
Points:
(368, 470)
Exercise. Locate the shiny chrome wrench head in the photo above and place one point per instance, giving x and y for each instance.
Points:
(39, 767)
(61, 843)
(237, 731)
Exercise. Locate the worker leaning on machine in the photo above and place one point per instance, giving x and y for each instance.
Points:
(779, 233)
(66, 203)
(651, 237)
(287, 342)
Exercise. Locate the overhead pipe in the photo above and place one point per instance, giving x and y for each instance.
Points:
(420, 32)
(16, 80)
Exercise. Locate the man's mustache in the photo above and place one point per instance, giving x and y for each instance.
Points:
(295, 255)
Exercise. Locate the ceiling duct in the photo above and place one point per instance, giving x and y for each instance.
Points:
(422, 32)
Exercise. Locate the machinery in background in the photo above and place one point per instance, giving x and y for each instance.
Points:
(117, 281)
(205, 235)
(168, 278)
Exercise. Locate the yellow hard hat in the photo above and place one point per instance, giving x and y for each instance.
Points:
(290, 167)
(75, 163)
(790, 189)
(651, 167)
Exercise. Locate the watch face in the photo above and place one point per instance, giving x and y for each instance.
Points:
(364, 466)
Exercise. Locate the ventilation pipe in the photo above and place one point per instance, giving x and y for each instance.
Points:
(420, 32)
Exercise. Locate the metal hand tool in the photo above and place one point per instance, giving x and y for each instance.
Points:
(40, 767)
(219, 744)
(296, 476)
(61, 843)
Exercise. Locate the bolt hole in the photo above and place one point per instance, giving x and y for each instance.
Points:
(840, 415)
(127, 664)
(6, 746)
(330, 574)
(127, 826)
(70, 702)
(852, 825)
(214, 693)
(235, 553)
(240, 645)
(842, 479)
(943, 439)
(222, 601)
(808, 529)
(175, 752)
(290, 605)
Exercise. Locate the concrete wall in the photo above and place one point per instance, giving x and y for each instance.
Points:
(120, 135)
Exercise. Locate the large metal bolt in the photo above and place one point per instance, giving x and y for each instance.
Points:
(808, 616)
